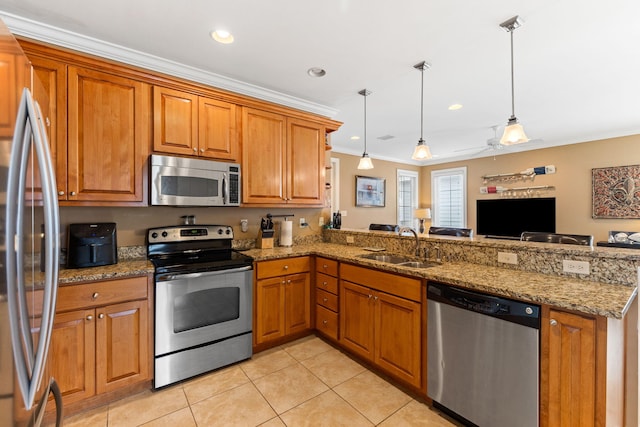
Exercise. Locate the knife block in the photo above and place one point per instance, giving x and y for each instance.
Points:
(265, 240)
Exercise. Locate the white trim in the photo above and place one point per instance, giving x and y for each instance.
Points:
(335, 185)
(414, 195)
(60, 37)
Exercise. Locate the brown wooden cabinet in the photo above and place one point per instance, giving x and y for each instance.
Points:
(101, 340)
(285, 159)
(327, 305)
(188, 124)
(572, 362)
(282, 299)
(108, 137)
(380, 320)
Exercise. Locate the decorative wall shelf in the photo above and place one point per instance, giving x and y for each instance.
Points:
(529, 173)
(517, 191)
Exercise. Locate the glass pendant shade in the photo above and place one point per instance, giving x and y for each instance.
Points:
(513, 133)
(365, 162)
(421, 152)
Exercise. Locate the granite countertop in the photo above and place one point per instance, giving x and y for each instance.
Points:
(602, 299)
(124, 268)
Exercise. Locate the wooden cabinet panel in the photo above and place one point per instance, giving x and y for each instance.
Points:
(327, 299)
(327, 283)
(121, 346)
(263, 157)
(175, 121)
(398, 337)
(269, 309)
(281, 267)
(49, 90)
(10, 80)
(297, 303)
(356, 319)
(327, 322)
(405, 287)
(217, 137)
(306, 162)
(108, 141)
(327, 266)
(569, 366)
(72, 354)
(101, 293)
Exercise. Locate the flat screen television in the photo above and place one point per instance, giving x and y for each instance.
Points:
(508, 218)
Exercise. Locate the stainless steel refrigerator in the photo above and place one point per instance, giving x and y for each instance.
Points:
(29, 239)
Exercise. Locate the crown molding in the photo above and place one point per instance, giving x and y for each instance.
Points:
(57, 36)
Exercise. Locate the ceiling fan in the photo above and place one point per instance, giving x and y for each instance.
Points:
(493, 144)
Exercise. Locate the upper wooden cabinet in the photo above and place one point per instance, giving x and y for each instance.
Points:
(108, 141)
(283, 158)
(188, 124)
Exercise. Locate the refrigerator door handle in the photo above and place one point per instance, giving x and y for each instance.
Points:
(30, 364)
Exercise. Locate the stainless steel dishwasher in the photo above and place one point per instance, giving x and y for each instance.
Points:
(483, 357)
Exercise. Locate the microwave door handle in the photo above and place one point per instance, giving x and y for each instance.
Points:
(225, 190)
(93, 249)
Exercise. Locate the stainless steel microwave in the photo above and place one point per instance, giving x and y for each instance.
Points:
(180, 181)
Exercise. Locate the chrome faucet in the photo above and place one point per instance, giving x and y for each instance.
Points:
(437, 249)
(411, 230)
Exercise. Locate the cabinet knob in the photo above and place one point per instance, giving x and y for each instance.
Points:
(73, 193)
(370, 296)
(324, 284)
(283, 282)
(553, 322)
(288, 281)
(202, 150)
(375, 298)
(325, 266)
(101, 316)
(286, 267)
(61, 193)
(324, 299)
(324, 322)
(95, 295)
(89, 317)
(195, 150)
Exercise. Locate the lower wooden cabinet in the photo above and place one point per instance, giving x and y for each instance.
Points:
(380, 326)
(572, 351)
(327, 305)
(100, 344)
(282, 298)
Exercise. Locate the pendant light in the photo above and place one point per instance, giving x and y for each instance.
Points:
(513, 132)
(365, 160)
(421, 151)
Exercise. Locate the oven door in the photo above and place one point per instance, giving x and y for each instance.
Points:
(199, 308)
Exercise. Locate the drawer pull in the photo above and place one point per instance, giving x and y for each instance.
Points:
(324, 299)
(553, 322)
(324, 284)
(288, 281)
(286, 267)
(325, 266)
(60, 193)
(95, 295)
(73, 193)
(89, 317)
(101, 316)
(324, 322)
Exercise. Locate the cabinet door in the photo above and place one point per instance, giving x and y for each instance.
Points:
(269, 309)
(356, 318)
(122, 345)
(297, 304)
(49, 90)
(217, 135)
(263, 157)
(569, 371)
(306, 162)
(10, 83)
(397, 342)
(108, 137)
(72, 354)
(175, 121)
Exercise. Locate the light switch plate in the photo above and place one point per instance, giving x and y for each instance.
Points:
(507, 257)
(573, 266)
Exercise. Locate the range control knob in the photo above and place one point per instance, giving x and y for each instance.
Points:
(228, 231)
(220, 231)
(165, 234)
(154, 235)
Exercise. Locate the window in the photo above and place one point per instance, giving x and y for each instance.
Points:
(449, 197)
(407, 197)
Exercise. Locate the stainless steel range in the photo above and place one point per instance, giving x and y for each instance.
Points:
(203, 300)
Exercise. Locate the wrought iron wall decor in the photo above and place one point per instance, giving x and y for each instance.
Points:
(616, 192)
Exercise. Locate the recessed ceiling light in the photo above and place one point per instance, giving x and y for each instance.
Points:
(355, 138)
(222, 36)
(316, 72)
(454, 107)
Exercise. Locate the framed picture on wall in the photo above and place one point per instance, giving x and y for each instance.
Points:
(370, 192)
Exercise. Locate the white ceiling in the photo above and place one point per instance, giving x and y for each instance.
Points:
(577, 64)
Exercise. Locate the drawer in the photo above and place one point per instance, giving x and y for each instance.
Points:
(327, 283)
(327, 299)
(95, 294)
(327, 266)
(282, 267)
(327, 322)
(405, 287)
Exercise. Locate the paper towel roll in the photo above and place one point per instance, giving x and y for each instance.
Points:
(286, 233)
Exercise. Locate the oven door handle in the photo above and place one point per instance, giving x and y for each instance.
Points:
(170, 276)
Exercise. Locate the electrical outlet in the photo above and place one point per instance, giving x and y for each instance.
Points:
(303, 222)
(350, 239)
(578, 267)
(507, 258)
(343, 213)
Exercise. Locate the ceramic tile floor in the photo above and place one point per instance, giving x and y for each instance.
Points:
(304, 383)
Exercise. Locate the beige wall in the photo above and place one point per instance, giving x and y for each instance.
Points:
(572, 182)
(358, 217)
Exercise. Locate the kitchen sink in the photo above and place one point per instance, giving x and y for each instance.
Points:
(392, 259)
(401, 260)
